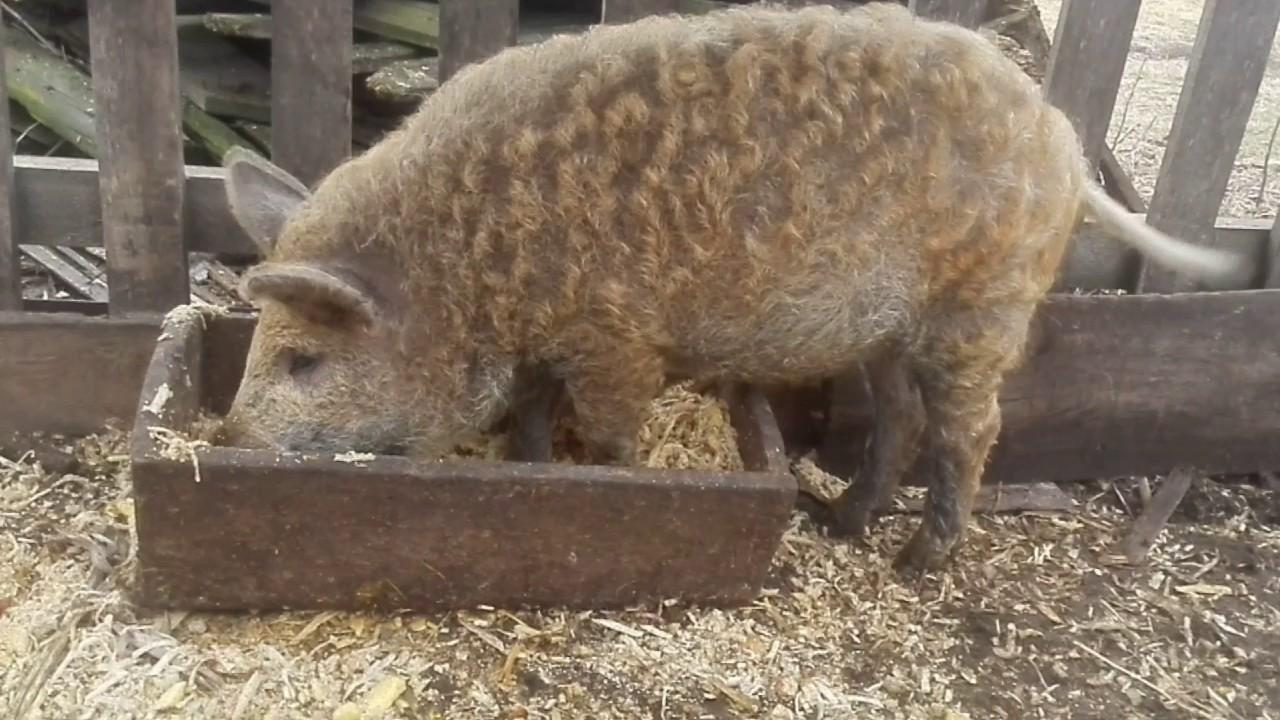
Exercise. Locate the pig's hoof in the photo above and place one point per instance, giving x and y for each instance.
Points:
(619, 453)
(851, 517)
(923, 553)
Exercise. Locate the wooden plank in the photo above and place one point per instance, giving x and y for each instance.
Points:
(1119, 182)
(624, 11)
(472, 30)
(1226, 68)
(1086, 63)
(134, 60)
(311, 86)
(1146, 528)
(67, 373)
(10, 268)
(1136, 385)
(962, 12)
(59, 267)
(366, 57)
(1273, 255)
(57, 204)
(408, 21)
(219, 78)
(1098, 261)
(435, 535)
(54, 92)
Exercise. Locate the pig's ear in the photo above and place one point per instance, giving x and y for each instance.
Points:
(261, 195)
(320, 294)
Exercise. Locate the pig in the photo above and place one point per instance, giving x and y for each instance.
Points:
(760, 195)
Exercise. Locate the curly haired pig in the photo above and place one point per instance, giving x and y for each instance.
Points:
(758, 194)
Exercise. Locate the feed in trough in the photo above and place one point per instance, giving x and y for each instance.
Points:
(758, 195)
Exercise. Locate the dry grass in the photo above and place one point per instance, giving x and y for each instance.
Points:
(685, 429)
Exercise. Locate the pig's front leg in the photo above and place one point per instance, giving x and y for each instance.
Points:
(612, 392)
(535, 393)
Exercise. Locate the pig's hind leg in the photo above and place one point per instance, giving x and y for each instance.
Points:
(899, 422)
(959, 364)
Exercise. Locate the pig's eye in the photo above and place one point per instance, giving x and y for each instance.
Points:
(302, 363)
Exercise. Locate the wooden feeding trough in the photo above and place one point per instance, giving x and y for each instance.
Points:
(225, 528)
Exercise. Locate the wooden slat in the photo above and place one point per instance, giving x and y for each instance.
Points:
(1226, 68)
(134, 56)
(1132, 385)
(61, 268)
(311, 86)
(1119, 182)
(472, 30)
(624, 11)
(1273, 255)
(57, 204)
(10, 268)
(1090, 47)
(962, 12)
(66, 373)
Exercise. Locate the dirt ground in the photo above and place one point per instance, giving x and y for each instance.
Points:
(1037, 618)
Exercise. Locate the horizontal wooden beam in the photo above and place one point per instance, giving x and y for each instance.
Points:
(57, 204)
(1126, 385)
(67, 373)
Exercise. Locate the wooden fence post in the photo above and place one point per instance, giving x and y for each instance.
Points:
(1227, 64)
(134, 62)
(1090, 48)
(1273, 255)
(962, 12)
(311, 86)
(10, 267)
(472, 30)
(624, 11)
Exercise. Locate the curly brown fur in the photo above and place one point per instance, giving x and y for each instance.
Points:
(757, 194)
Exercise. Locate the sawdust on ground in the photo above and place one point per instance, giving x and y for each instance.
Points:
(1037, 618)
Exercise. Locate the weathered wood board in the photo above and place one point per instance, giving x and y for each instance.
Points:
(311, 86)
(265, 530)
(1127, 385)
(1089, 52)
(10, 268)
(472, 30)
(134, 54)
(624, 11)
(65, 373)
(57, 203)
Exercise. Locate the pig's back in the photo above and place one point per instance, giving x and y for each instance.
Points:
(795, 176)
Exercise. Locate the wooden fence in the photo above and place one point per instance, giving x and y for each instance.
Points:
(56, 356)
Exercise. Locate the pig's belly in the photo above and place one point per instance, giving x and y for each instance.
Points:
(791, 335)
